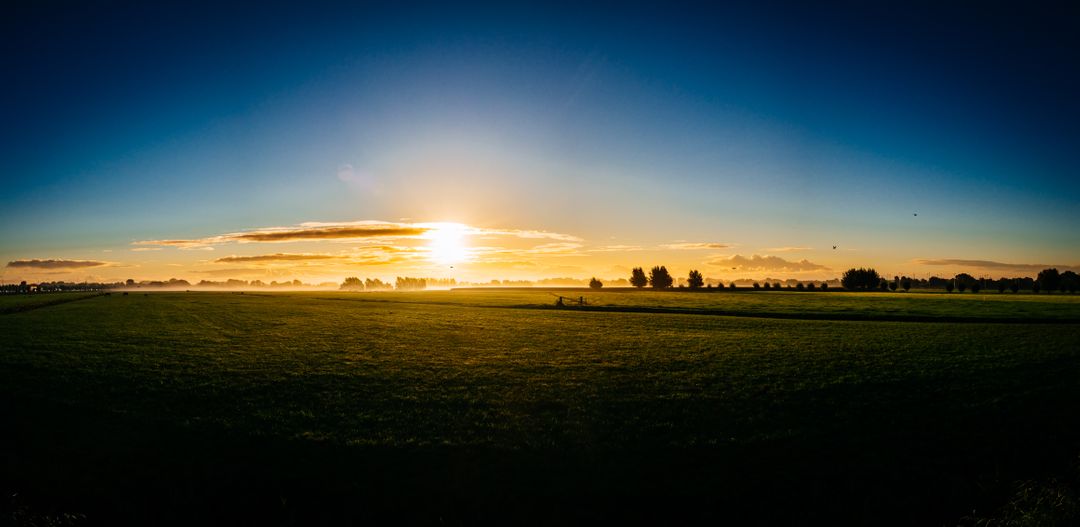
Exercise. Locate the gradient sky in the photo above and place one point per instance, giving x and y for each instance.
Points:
(152, 141)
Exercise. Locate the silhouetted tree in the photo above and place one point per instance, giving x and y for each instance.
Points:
(1014, 286)
(905, 284)
(1070, 281)
(860, 279)
(948, 286)
(732, 286)
(824, 286)
(776, 285)
(767, 285)
(660, 278)
(638, 278)
(1001, 285)
(1048, 279)
(976, 287)
(719, 285)
(404, 283)
(595, 284)
(894, 285)
(1035, 287)
(695, 280)
(352, 283)
(757, 285)
(800, 286)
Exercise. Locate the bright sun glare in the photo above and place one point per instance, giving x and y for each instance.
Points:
(447, 243)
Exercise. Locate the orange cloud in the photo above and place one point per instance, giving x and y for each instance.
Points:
(358, 230)
(54, 264)
(694, 246)
(765, 263)
(277, 257)
(990, 264)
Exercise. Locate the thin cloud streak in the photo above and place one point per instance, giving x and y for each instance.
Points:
(695, 246)
(989, 264)
(54, 264)
(359, 230)
(277, 257)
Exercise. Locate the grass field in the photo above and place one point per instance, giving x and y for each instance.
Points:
(464, 407)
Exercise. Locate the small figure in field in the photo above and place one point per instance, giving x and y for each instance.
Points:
(581, 300)
(559, 303)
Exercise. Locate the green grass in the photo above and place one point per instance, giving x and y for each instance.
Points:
(746, 302)
(487, 406)
(16, 303)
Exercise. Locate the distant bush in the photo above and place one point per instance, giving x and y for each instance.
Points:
(732, 286)
(757, 285)
(811, 287)
(1014, 286)
(976, 287)
(860, 279)
(1035, 287)
(893, 286)
(695, 280)
(948, 286)
(352, 283)
(638, 278)
(1049, 279)
(824, 286)
(660, 278)
(800, 287)
(767, 286)
(595, 284)
(719, 285)
(884, 285)
(960, 285)
(1001, 285)
(905, 284)
(776, 285)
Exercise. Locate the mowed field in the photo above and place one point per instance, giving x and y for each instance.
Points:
(465, 407)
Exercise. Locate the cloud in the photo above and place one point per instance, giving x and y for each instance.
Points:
(357, 230)
(765, 263)
(615, 248)
(519, 233)
(311, 231)
(346, 173)
(54, 264)
(694, 246)
(989, 264)
(233, 272)
(277, 257)
(143, 249)
(788, 249)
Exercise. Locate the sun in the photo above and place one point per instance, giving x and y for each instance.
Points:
(446, 243)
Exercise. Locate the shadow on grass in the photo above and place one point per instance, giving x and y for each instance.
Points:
(926, 466)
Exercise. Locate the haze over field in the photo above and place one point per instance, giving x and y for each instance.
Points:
(491, 142)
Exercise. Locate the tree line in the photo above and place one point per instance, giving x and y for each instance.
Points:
(1049, 280)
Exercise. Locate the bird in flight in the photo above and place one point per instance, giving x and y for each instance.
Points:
(834, 247)
(915, 214)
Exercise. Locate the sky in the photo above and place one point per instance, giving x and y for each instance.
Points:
(496, 141)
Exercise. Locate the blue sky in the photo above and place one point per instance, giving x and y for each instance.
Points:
(756, 128)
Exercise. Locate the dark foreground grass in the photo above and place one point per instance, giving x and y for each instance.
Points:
(301, 409)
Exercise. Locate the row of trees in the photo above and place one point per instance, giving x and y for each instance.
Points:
(403, 283)
(1049, 280)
